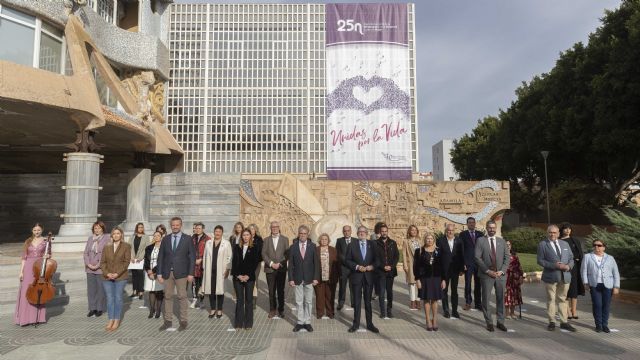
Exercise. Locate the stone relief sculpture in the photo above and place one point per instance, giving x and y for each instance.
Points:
(328, 205)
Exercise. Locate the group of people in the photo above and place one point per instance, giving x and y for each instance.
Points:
(176, 262)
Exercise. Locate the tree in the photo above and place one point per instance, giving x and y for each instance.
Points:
(624, 243)
(585, 111)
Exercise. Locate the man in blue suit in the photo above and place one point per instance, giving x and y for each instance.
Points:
(362, 260)
(176, 265)
(469, 238)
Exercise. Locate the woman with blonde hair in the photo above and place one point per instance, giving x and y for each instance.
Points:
(116, 256)
(429, 271)
(327, 260)
(411, 244)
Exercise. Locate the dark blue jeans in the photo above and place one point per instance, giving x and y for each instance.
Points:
(601, 301)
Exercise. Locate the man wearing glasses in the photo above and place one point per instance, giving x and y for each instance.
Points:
(361, 258)
(556, 259)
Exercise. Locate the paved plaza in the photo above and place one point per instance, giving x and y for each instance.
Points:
(69, 334)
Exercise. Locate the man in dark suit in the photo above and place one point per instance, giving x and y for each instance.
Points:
(453, 265)
(361, 259)
(176, 263)
(342, 245)
(469, 238)
(275, 253)
(304, 273)
(492, 258)
(388, 255)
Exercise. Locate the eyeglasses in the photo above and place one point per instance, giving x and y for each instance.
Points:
(598, 245)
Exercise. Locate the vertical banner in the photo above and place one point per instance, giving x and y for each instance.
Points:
(368, 104)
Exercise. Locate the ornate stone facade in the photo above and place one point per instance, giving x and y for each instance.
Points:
(328, 205)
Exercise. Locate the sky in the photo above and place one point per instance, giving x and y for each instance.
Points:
(472, 55)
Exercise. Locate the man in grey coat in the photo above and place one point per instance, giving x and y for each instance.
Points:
(492, 259)
(556, 259)
(275, 253)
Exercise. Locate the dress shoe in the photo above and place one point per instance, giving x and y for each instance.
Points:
(211, 316)
(466, 307)
(435, 328)
(373, 329)
(297, 328)
(340, 306)
(606, 329)
(455, 315)
(272, 313)
(218, 316)
(281, 314)
(389, 314)
(165, 326)
(308, 327)
(568, 327)
(429, 328)
(151, 313)
(598, 329)
(501, 326)
(158, 314)
(447, 315)
(576, 318)
(352, 329)
(183, 326)
(551, 326)
(490, 328)
(140, 297)
(91, 313)
(98, 313)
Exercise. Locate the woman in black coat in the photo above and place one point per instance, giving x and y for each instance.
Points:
(428, 270)
(576, 287)
(243, 268)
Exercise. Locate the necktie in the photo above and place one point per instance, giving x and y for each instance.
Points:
(473, 237)
(303, 248)
(555, 244)
(363, 249)
(493, 254)
(175, 241)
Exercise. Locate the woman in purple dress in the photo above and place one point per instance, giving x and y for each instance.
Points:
(34, 248)
(515, 277)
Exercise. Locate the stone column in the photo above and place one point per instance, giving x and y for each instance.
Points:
(81, 200)
(138, 195)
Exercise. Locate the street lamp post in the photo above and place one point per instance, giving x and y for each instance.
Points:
(545, 154)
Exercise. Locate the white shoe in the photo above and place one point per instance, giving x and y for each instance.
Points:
(193, 303)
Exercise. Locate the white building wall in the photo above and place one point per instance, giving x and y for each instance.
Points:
(442, 167)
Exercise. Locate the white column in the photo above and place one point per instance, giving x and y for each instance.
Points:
(138, 196)
(81, 200)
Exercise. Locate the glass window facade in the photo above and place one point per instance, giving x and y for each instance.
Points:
(247, 87)
(18, 34)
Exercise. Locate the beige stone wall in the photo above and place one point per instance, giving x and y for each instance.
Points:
(325, 206)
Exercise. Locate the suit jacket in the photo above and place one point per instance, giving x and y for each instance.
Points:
(452, 261)
(182, 262)
(278, 255)
(610, 273)
(483, 256)
(469, 246)
(391, 258)
(144, 241)
(246, 265)
(199, 246)
(335, 268)
(303, 269)
(116, 262)
(354, 257)
(341, 249)
(548, 257)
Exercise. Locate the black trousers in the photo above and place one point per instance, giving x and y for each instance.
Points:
(244, 303)
(359, 290)
(451, 282)
(342, 289)
(276, 281)
(385, 285)
(197, 284)
(472, 273)
(215, 301)
(137, 280)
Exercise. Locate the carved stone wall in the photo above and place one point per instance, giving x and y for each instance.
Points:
(328, 205)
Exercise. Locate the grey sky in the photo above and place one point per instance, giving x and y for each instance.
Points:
(473, 54)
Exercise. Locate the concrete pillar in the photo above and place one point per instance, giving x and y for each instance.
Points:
(138, 195)
(81, 200)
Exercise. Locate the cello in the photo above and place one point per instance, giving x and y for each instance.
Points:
(41, 290)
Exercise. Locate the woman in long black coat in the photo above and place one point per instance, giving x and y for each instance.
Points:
(576, 287)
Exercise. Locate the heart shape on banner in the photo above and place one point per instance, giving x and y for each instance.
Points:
(367, 97)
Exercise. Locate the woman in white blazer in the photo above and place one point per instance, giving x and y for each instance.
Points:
(216, 264)
(600, 274)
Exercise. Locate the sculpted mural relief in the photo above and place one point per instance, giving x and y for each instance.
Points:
(328, 205)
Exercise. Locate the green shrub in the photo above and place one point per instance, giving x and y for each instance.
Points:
(525, 239)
